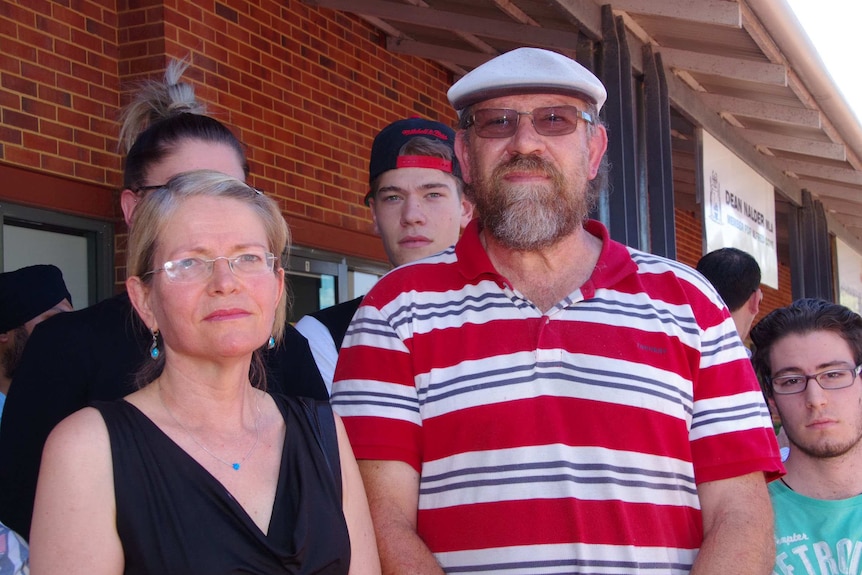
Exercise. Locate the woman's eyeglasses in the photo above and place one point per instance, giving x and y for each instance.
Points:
(145, 189)
(188, 270)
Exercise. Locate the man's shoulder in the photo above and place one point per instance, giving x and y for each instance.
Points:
(337, 313)
(648, 263)
(107, 314)
(432, 273)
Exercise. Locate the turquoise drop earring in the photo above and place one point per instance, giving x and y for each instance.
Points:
(155, 352)
(271, 343)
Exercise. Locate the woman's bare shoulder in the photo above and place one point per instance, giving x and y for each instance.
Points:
(83, 431)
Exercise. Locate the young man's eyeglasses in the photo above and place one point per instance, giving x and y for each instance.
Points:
(829, 379)
(548, 121)
(187, 270)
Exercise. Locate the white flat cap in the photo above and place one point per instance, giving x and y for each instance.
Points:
(527, 71)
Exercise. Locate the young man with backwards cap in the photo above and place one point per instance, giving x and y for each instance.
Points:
(28, 296)
(418, 208)
(542, 399)
(808, 355)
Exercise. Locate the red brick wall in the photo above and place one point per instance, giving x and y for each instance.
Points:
(59, 88)
(305, 88)
(689, 237)
(776, 298)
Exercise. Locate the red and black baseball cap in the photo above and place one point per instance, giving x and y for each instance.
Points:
(386, 150)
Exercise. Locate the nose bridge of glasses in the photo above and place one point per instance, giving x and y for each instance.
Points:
(816, 393)
(532, 119)
(210, 269)
(519, 132)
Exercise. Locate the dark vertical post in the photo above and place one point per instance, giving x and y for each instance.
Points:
(658, 159)
(618, 113)
(811, 251)
(824, 277)
(797, 257)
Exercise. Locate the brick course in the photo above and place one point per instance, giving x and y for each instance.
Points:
(305, 88)
(293, 81)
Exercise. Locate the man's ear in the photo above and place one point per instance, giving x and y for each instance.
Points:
(773, 409)
(462, 154)
(598, 146)
(128, 203)
(372, 202)
(5, 337)
(466, 211)
(753, 302)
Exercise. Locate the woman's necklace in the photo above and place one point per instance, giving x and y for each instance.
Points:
(236, 464)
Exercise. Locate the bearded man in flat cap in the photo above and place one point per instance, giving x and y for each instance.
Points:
(541, 398)
(28, 296)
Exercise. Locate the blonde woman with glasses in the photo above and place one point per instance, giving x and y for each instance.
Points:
(201, 470)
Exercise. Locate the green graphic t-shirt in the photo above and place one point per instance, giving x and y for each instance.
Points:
(816, 536)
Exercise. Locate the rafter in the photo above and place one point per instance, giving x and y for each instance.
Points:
(713, 12)
(801, 169)
(452, 21)
(763, 110)
(748, 70)
(466, 58)
(824, 190)
(815, 148)
(841, 207)
(514, 12)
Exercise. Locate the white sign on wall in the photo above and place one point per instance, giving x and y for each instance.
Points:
(849, 276)
(738, 208)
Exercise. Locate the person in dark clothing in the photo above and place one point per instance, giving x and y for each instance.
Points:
(91, 354)
(735, 275)
(28, 296)
(418, 207)
(201, 470)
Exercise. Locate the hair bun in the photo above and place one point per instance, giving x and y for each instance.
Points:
(156, 101)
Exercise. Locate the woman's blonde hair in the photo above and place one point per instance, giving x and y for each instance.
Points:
(159, 206)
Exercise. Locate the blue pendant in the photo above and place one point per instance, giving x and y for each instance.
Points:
(154, 352)
(235, 466)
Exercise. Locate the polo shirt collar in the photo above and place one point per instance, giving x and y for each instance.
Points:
(614, 264)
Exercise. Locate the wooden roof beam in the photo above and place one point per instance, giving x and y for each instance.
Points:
(801, 169)
(841, 207)
(763, 110)
(455, 22)
(738, 68)
(712, 12)
(466, 58)
(831, 191)
(828, 150)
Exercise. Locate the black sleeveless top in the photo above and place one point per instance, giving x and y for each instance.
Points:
(175, 518)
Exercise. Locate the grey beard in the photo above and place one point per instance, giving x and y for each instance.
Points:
(529, 217)
(530, 221)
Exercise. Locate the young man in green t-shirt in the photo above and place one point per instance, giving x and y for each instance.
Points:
(808, 355)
